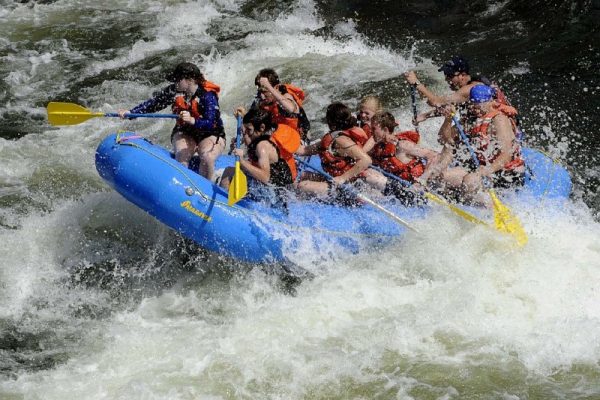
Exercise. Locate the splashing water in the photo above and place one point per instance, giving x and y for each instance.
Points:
(98, 300)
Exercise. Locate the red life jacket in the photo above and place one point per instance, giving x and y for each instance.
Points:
(367, 129)
(336, 165)
(481, 139)
(180, 104)
(384, 156)
(279, 116)
(500, 98)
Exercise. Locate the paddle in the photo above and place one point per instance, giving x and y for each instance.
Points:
(239, 184)
(73, 114)
(361, 197)
(504, 219)
(413, 100)
(436, 199)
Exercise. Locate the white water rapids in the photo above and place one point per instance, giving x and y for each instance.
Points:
(100, 301)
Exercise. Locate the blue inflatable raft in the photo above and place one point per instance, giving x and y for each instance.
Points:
(147, 175)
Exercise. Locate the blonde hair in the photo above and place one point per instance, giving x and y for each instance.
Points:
(371, 101)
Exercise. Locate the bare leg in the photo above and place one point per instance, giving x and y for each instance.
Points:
(454, 176)
(209, 149)
(227, 177)
(375, 179)
(184, 147)
(319, 188)
(473, 190)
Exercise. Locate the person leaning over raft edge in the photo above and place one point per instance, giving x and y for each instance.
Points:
(199, 127)
(265, 166)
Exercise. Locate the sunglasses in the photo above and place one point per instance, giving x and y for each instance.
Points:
(450, 76)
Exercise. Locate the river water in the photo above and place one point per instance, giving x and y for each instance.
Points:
(100, 301)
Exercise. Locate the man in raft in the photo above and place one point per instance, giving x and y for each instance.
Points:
(492, 137)
(461, 81)
(456, 72)
(270, 161)
(282, 100)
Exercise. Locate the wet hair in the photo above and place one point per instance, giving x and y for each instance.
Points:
(186, 70)
(339, 116)
(371, 99)
(385, 120)
(258, 118)
(268, 73)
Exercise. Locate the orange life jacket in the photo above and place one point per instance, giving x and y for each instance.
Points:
(279, 116)
(481, 139)
(180, 104)
(514, 117)
(287, 141)
(281, 174)
(384, 156)
(336, 165)
(500, 96)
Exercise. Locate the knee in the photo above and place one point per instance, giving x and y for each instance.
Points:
(302, 185)
(471, 182)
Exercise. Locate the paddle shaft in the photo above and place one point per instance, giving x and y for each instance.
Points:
(361, 197)
(137, 115)
(436, 199)
(505, 220)
(413, 99)
(238, 137)
(465, 140)
(239, 183)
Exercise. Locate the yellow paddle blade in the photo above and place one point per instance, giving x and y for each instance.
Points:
(69, 113)
(506, 221)
(238, 187)
(458, 211)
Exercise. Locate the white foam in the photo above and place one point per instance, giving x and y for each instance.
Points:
(456, 296)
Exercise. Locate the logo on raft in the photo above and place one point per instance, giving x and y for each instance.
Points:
(188, 206)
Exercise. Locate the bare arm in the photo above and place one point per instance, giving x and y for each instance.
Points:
(262, 171)
(448, 137)
(369, 145)
(285, 100)
(506, 137)
(346, 147)
(460, 96)
(414, 150)
(309, 150)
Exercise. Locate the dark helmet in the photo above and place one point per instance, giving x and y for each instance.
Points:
(456, 64)
(184, 70)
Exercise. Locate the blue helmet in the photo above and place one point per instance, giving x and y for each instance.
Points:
(481, 93)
